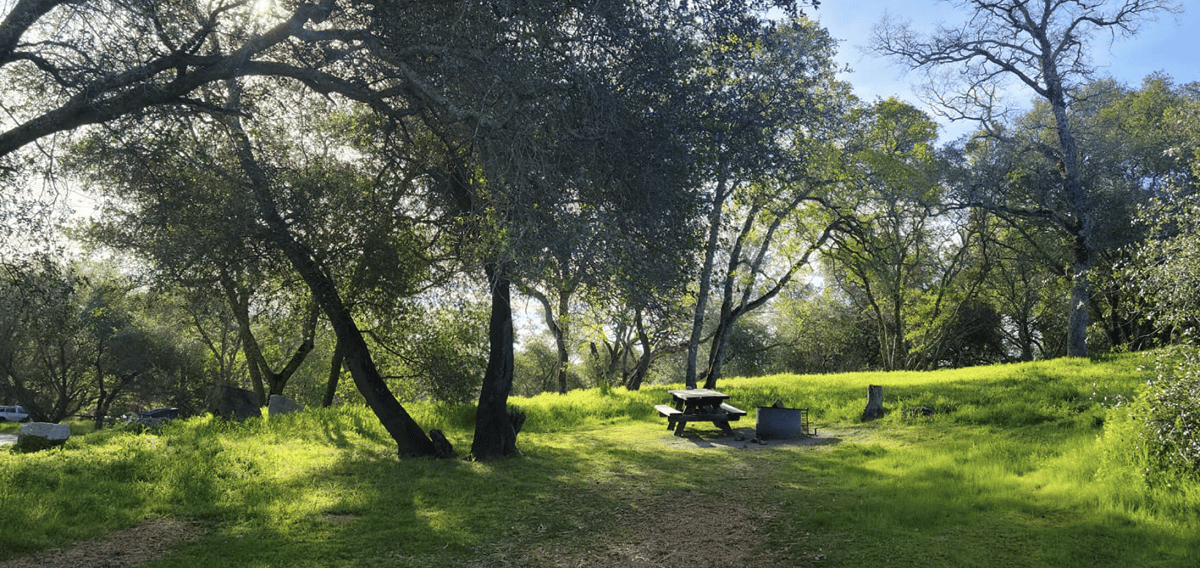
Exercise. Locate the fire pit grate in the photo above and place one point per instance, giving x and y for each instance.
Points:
(776, 423)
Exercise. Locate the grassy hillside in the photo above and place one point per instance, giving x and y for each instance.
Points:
(1024, 465)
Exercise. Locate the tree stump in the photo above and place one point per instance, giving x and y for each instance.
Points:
(441, 446)
(517, 419)
(874, 407)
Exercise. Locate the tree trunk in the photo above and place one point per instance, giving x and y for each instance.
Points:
(1076, 199)
(643, 365)
(101, 410)
(716, 354)
(266, 382)
(495, 436)
(335, 373)
(1078, 322)
(557, 323)
(102, 395)
(562, 331)
(410, 438)
(710, 251)
(239, 304)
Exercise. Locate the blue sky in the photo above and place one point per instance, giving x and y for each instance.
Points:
(1163, 45)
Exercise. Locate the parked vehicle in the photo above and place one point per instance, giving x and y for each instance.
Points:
(13, 414)
(157, 416)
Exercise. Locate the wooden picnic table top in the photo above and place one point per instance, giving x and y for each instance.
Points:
(698, 395)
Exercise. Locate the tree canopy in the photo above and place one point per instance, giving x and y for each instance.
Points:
(685, 188)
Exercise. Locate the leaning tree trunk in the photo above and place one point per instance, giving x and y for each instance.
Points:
(717, 352)
(410, 438)
(495, 435)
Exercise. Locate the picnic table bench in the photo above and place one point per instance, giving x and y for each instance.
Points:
(699, 405)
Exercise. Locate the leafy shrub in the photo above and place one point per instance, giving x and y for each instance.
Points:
(1167, 417)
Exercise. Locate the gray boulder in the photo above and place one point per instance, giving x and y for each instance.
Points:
(279, 405)
(42, 435)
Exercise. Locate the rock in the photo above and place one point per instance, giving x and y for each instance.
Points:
(279, 405)
(41, 435)
(232, 403)
(919, 411)
(874, 407)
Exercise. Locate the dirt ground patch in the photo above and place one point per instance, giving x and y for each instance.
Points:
(149, 541)
(679, 528)
(676, 530)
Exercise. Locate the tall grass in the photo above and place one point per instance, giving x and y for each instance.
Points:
(1021, 466)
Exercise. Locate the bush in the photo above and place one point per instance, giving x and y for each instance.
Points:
(1167, 418)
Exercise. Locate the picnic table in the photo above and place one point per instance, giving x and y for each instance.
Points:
(699, 405)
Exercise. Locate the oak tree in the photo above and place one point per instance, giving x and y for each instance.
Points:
(1040, 45)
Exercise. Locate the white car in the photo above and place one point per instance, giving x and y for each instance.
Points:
(13, 414)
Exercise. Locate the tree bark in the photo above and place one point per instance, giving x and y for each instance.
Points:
(266, 382)
(1077, 323)
(1080, 225)
(732, 309)
(558, 328)
(710, 252)
(643, 364)
(335, 373)
(239, 304)
(495, 436)
(410, 438)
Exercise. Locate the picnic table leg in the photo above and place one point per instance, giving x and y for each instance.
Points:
(724, 426)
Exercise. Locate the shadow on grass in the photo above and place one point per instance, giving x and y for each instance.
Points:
(744, 438)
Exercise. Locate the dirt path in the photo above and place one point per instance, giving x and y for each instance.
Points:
(676, 528)
(149, 541)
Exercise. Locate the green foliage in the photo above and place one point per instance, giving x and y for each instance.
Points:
(820, 332)
(1166, 268)
(535, 368)
(1161, 429)
(446, 351)
(909, 268)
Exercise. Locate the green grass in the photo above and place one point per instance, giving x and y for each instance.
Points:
(1018, 468)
